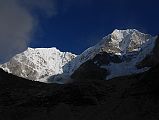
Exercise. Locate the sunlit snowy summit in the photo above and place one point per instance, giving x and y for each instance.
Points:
(38, 63)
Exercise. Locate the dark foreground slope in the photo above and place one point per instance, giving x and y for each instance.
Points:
(134, 97)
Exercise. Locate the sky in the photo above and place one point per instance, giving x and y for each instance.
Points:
(70, 25)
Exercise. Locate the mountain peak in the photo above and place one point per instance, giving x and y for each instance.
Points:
(125, 30)
(124, 41)
(38, 63)
(128, 47)
(43, 49)
(119, 34)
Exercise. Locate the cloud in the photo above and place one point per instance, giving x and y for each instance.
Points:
(17, 24)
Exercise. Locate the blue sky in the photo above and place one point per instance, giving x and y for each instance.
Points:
(78, 25)
(70, 25)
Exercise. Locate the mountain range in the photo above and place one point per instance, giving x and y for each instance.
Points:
(121, 53)
(116, 79)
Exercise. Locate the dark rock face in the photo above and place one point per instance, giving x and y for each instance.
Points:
(105, 58)
(151, 60)
(90, 70)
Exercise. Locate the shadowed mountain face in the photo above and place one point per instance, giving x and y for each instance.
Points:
(134, 97)
(91, 69)
(151, 59)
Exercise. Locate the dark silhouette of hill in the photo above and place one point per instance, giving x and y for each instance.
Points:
(134, 97)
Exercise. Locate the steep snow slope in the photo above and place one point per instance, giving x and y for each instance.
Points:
(130, 45)
(38, 64)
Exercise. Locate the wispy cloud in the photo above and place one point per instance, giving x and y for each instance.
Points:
(17, 24)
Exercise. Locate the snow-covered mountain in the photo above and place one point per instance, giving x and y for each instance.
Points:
(38, 63)
(124, 49)
(123, 52)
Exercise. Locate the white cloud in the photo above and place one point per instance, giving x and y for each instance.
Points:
(17, 24)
